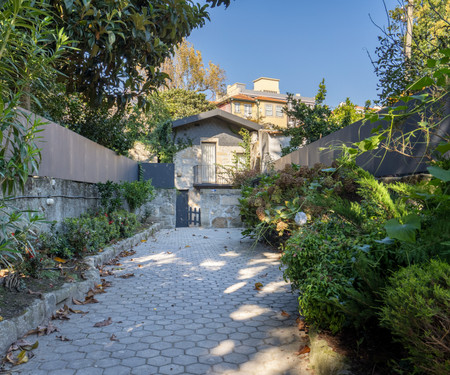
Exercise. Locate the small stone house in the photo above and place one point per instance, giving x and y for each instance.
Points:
(202, 170)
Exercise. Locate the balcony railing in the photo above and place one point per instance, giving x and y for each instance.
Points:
(212, 175)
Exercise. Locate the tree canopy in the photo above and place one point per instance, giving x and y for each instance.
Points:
(430, 34)
(186, 70)
(118, 45)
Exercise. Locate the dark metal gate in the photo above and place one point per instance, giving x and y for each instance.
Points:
(182, 209)
(194, 216)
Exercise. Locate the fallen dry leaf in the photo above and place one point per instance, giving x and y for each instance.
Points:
(258, 286)
(143, 240)
(126, 276)
(62, 313)
(187, 246)
(205, 237)
(103, 323)
(63, 338)
(42, 330)
(113, 337)
(300, 324)
(140, 265)
(59, 260)
(303, 350)
(85, 302)
(78, 311)
(169, 252)
(284, 313)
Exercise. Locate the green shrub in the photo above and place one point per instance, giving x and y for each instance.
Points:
(110, 196)
(89, 233)
(318, 260)
(137, 193)
(416, 310)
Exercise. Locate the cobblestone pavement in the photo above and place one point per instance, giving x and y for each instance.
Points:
(191, 308)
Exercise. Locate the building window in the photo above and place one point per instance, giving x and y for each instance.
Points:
(279, 111)
(269, 110)
(237, 107)
(248, 110)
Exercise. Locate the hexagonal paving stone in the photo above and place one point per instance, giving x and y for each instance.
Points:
(184, 360)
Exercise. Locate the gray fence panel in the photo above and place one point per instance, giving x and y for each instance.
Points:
(70, 156)
(379, 162)
(161, 174)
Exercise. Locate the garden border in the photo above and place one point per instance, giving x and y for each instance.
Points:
(42, 309)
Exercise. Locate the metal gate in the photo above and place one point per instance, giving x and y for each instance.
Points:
(182, 209)
(194, 216)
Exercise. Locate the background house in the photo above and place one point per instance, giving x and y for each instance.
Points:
(263, 104)
(202, 171)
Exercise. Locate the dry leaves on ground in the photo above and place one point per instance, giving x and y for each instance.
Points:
(63, 338)
(304, 349)
(126, 276)
(113, 337)
(103, 323)
(301, 325)
(284, 313)
(258, 286)
(42, 330)
(87, 300)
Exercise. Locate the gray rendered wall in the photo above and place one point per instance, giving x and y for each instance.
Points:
(210, 128)
(161, 174)
(377, 162)
(70, 156)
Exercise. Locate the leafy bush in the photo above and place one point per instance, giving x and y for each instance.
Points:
(88, 234)
(416, 310)
(318, 259)
(137, 193)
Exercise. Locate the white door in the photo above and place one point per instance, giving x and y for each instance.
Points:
(208, 162)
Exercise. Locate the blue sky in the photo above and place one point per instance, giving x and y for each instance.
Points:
(298, 41)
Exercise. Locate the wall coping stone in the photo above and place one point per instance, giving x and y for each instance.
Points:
(42, 309)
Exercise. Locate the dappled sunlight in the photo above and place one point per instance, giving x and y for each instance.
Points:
(230, 254)
(274, 361)
(285, 335)
(248, 311)
(253, 262)
(274, 287)
(212, 265)
(233, 288)
(248, 273)
(225, 347)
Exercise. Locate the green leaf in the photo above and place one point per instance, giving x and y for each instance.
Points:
(439, 173)
(443, 148)
(404, 230)
(420, 84)
(431, 63)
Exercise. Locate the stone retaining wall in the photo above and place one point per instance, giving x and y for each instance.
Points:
(220, 208)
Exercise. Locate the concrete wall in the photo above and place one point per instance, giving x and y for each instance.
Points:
(56, 198)
(220, 208)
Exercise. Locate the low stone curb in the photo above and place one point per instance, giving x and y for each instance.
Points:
(12, 329)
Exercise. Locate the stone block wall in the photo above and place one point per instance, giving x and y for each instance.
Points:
(220, 208)
(57, 199)
(161, 209)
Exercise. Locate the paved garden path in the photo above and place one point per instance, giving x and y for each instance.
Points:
(191, 308)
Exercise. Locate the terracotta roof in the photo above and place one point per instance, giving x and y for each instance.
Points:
(267, 99)
(242, 97)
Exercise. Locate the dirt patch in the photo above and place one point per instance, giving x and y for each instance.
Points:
(26, 289)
